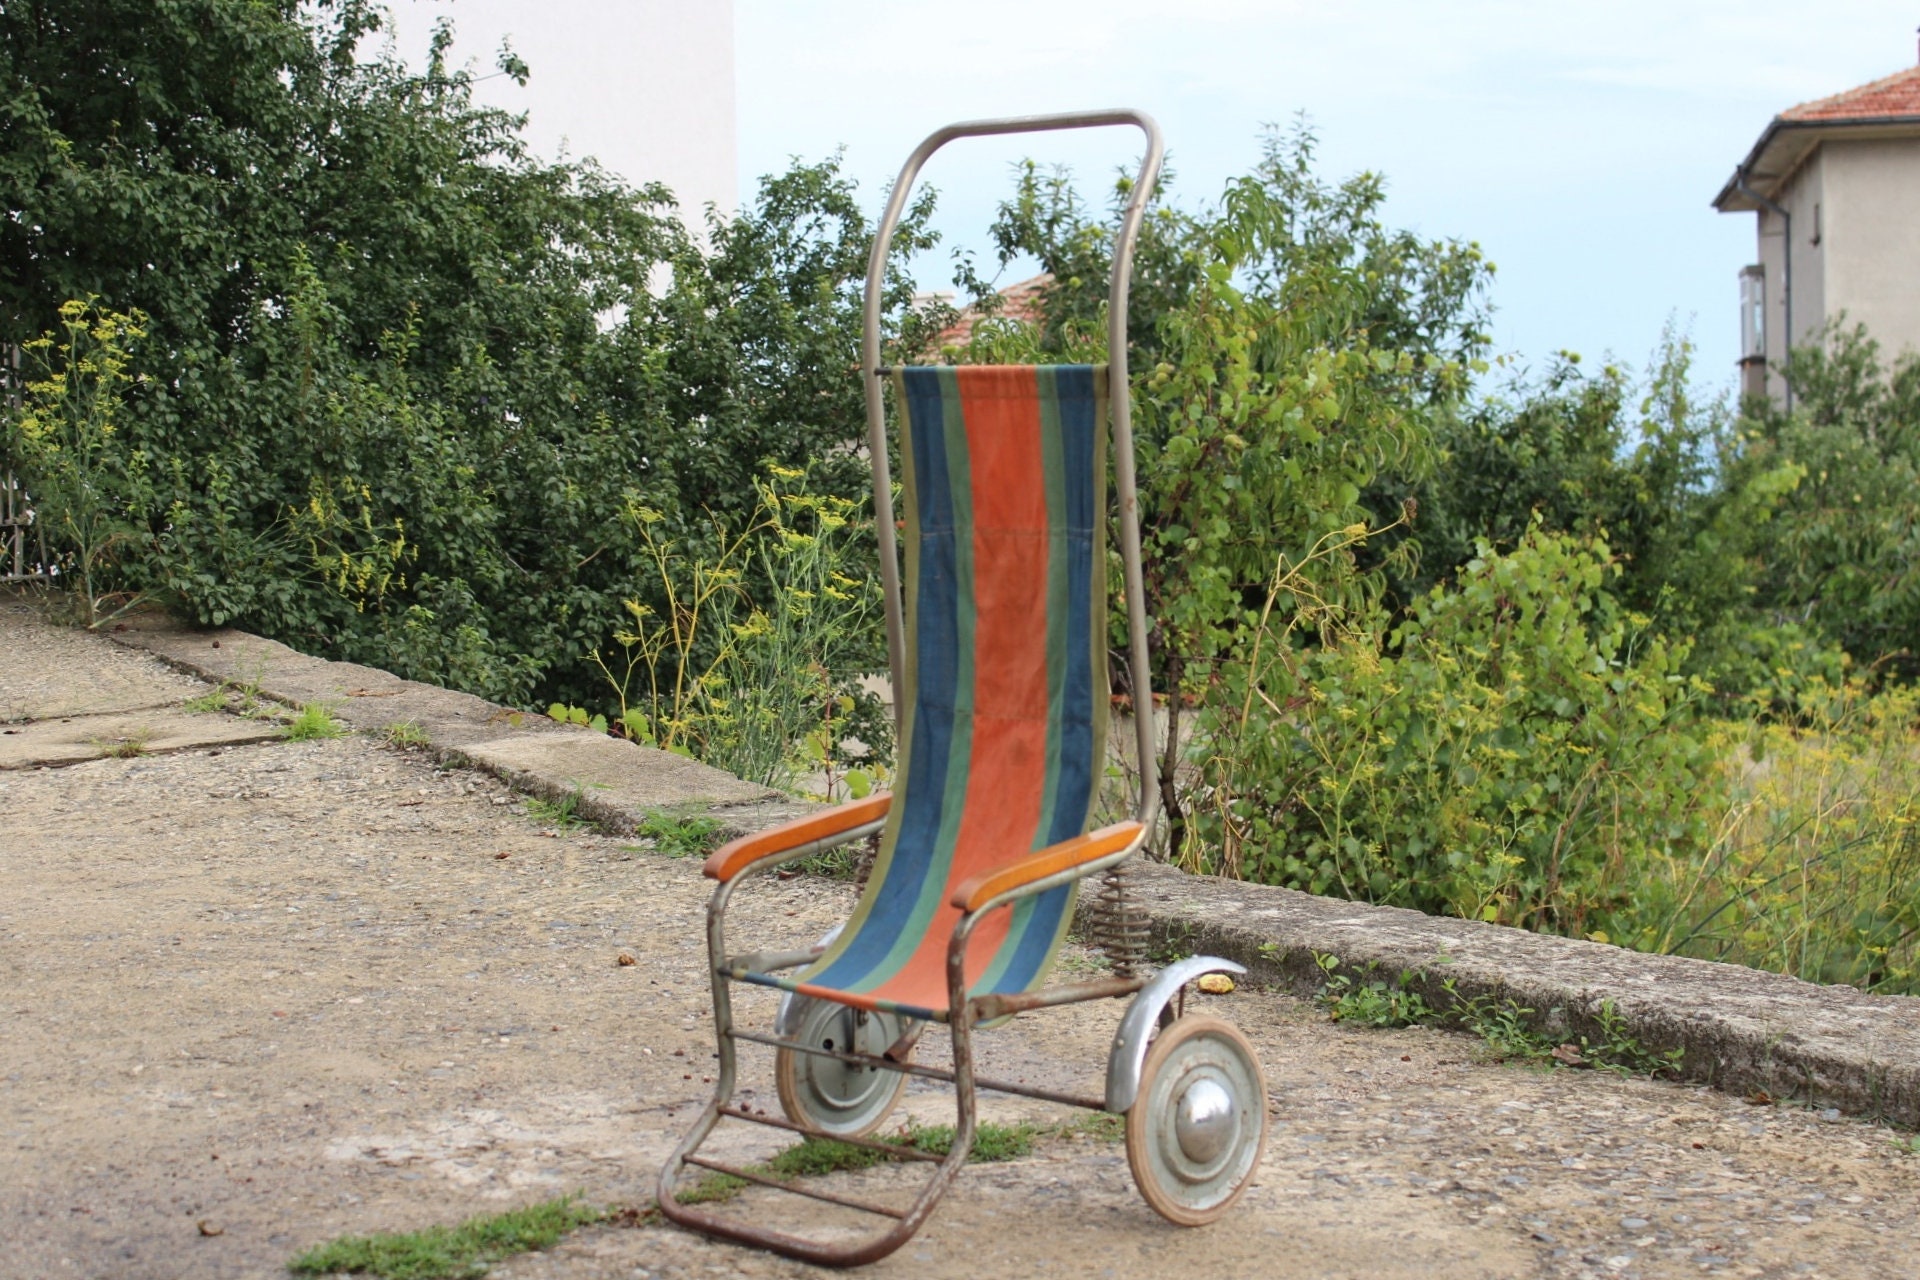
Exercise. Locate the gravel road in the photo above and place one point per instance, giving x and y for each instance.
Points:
(261, 995)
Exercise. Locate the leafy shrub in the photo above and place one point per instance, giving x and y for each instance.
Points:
(1846, 540)
(1291, 355)
(1512, 751)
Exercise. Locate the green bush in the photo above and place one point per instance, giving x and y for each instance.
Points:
(1512, 751)
(400, 378)
(1292, 354)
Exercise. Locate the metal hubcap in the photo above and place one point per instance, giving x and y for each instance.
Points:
(827, 1093)
(1203, 1121)
(843, 1086)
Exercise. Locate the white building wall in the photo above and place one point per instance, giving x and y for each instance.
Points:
(1873, 219)
(644, 86)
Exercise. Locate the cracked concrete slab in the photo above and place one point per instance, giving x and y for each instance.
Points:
(52, 672)
(618, 782)
(305, 990)
(53, 743)
(609, 775)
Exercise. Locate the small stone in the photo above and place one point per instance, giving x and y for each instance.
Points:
(1632, 1224)
(624, 959)
(207, 1228)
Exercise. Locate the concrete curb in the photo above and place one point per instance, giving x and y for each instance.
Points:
(1739, 1029)
(617, 784)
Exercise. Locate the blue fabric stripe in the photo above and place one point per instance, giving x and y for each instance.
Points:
(936, 652)
(1078, 428)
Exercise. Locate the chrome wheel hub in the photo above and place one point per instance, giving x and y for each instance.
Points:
(1203, 1121)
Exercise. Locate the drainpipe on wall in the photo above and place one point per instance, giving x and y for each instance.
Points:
(1786, 273)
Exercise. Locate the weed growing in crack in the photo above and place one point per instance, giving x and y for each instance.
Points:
(312, 723)
(1503, 1027)
(404, 735)
(212, 700)
(130, 747)
(817, 1157)
(561, 813)
(1618, 1051)
(1371, 1003)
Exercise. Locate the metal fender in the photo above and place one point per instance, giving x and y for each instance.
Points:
(1143, 1014)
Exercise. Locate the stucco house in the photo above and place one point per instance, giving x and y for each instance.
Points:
(1836, 187)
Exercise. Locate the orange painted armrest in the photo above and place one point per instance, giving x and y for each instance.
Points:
(730, 859)
(974, 891)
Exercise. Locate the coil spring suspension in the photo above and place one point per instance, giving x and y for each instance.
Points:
(1119, 924)
(863, 862)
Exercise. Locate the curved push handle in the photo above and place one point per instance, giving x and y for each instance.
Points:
(1121, 399)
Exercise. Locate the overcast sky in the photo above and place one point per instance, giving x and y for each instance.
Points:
(1579, 145)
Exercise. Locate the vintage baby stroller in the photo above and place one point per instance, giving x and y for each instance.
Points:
(998, 646)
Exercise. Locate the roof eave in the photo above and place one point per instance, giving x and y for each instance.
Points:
(1768, 178)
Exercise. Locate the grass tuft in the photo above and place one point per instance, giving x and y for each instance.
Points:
(131, 747)
(817, 1157)
(211, 700)
(313, 722)
(404, 735)
(680, 837)
(449, 1253)
(562, 814)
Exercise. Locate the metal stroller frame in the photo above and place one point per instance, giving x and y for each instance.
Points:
(1193, 1095)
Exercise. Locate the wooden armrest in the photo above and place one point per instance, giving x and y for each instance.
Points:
(975, 891)
(735, 856)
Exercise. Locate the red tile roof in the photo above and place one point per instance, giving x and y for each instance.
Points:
(1887, 98)
(1889, 103)
(1017, 302)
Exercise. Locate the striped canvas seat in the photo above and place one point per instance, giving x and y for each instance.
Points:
(1004, 471)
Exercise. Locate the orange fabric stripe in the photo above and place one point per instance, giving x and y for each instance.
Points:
(730, 859)
(1008, 763)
